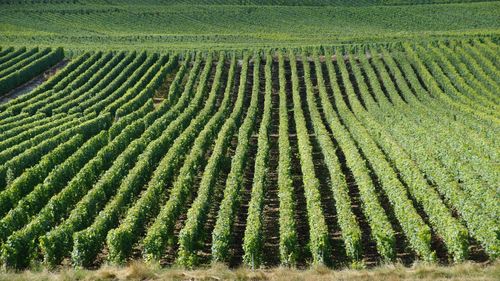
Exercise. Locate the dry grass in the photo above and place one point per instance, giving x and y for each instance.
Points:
(141, 271)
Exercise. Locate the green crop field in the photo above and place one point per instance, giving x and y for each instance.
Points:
(194, 24)
(255, 134)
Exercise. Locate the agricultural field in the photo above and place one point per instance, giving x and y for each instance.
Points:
(83, 25)
(358, 154)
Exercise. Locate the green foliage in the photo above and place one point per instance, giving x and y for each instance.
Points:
(417, 232)
(94, 159)
(35, 172)
(57, 244)
(319, 244)
(16, 105)
(193, 229)
(252, 240)
(127, 78)
(288, 232)
(53, 183)
(181, 188)
(351, 231)
(205, 24)
(89, 241)
(221, 235)
(25, 71)
(121, 239)
(19, 61)
(146, 92)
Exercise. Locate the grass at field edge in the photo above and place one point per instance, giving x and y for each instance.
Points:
(141, 271)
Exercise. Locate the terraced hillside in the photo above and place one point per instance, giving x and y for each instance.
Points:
(264, 158)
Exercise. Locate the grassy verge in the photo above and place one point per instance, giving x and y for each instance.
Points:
(140, 271)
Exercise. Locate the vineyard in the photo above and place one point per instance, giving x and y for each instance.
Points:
(337, 156)
(179, 25)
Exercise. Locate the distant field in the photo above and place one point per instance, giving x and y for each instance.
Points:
(126, 24)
